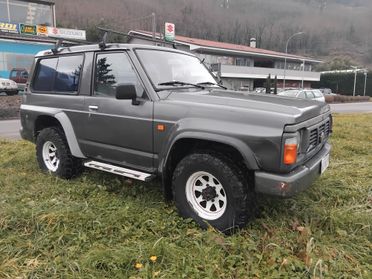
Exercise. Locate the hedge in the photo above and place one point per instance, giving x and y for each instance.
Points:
(343, 83)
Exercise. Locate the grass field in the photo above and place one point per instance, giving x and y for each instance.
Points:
(103, 226)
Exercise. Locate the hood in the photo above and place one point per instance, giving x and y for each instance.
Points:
(294, 108)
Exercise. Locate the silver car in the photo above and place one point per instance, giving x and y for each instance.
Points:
(311, 94)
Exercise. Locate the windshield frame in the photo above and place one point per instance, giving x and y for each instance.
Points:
(158, 88)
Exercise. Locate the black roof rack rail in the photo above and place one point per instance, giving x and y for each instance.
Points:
(61, 41)
(156, 40)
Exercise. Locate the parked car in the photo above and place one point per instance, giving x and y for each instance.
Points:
(310, 94)
(326, 91)
(144, 112)
(8, 86)
(20, 76)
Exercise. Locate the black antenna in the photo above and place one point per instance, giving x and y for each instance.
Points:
(102, 45)
(57, 46)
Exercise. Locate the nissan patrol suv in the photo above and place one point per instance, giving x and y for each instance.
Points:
(144, 112)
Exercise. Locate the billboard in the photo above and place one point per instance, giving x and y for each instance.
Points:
(9, 27)
(65, 33)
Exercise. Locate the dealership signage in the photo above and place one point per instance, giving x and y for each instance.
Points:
(27, 29)
(42, 30)
(67, 33)
(9, 27)
(170, 32)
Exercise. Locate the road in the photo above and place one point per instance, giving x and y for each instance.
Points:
(9, 129)
(352, 107)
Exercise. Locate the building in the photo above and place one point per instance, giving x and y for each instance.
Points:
(27, 27)
(243, 67)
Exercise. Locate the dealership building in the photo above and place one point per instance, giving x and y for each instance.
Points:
(239, 66)
(27, 27)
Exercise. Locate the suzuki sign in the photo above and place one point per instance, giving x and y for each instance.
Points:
(170, 32)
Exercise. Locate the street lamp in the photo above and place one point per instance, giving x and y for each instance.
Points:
(286, 52)
(365, 81)
(355, 77)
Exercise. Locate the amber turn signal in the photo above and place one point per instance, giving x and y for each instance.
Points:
(160, 127)
(290, 154)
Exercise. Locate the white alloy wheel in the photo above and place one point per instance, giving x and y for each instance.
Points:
(50, 158)
(206, 195)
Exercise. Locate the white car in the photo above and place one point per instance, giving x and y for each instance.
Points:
(8, 86)
(310, 94)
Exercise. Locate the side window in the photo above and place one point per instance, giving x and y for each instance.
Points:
(58, 75)
(309, 95)
(111, 70)
(13, 74)
(44, 77)
(302, 95)
(68, 73)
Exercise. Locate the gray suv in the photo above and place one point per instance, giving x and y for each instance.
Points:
(145, 112)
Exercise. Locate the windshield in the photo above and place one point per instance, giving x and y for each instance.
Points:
(165, 67)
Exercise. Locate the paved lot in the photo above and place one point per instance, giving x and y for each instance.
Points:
(9, 129)
(352, 107)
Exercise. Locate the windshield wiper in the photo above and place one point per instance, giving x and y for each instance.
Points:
(211, 83)
(177, 82)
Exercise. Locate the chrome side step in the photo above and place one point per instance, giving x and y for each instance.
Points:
(119, 170)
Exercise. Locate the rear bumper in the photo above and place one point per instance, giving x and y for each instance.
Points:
(298, 180)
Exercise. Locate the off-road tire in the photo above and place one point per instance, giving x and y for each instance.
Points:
(69, 166)
(241, 200)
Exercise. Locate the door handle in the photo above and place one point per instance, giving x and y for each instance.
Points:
(93, 108)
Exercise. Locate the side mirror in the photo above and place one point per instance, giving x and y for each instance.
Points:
(127, 92)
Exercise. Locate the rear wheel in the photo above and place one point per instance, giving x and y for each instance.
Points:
(211, 189)
(11, 93)
(54, 156)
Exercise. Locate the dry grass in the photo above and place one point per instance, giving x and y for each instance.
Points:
(102, 226)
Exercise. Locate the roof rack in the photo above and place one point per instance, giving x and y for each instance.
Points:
(102, 44)
(61, 41)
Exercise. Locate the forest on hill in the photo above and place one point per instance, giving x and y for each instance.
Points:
(337, 31)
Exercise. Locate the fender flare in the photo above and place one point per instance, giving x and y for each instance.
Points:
(65, 122)
(239, 145)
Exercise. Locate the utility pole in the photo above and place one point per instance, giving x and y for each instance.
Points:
(303, 74)
(365, 81)
(286, 52)
(154, 27)
(355, 78)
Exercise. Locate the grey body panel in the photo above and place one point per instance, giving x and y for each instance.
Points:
(122, 133)
(287, 185)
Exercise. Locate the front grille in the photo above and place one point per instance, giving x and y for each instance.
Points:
(319, 134)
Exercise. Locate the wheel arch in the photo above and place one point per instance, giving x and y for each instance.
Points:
(189, 142)
(60, 120)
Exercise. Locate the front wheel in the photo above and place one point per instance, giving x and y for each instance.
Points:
(54, 156)
(212, 190)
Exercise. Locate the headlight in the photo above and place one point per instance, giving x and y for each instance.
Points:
(291, 148)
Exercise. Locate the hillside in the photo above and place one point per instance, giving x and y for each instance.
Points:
(333, 28)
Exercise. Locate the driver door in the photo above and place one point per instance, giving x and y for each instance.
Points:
(117, 131)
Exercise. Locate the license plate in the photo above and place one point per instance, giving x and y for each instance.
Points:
(324, 163)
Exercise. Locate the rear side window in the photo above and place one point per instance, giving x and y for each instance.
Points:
(45, 74)
(58, 74)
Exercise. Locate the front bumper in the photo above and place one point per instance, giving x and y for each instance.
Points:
(298, 180)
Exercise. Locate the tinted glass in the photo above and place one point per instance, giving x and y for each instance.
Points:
(68, 73)
(44, 78)
(113, 69)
